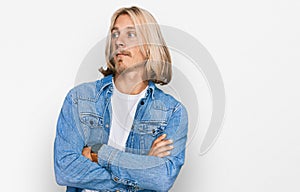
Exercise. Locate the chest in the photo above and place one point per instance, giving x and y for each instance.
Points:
(150, 121)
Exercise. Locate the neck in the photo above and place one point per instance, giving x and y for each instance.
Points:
(130, 83)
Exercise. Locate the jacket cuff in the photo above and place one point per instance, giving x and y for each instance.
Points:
(107, 155)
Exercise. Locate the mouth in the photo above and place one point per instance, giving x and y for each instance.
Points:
(123, 53)
(120, 54)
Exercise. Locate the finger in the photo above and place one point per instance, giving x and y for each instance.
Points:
(163, 149)
(160, 138)
(86, 150)
(156, 150)
(164, 154)
(163, 143)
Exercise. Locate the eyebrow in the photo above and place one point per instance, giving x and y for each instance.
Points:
(116, 28)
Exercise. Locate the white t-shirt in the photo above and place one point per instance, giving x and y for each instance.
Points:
(123, 112)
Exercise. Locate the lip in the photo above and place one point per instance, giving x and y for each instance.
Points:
(121, 54)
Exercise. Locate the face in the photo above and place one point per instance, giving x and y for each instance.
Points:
(125, 46)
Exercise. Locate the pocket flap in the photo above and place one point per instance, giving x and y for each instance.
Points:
(151, 128)
(91, 119)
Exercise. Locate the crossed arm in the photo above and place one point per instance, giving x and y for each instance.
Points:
(73, 165)
(161, 147)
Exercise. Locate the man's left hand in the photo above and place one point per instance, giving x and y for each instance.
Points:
(87, 152)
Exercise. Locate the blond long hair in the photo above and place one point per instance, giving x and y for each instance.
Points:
(158, 67)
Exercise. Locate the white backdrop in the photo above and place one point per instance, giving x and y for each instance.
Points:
(255, 44)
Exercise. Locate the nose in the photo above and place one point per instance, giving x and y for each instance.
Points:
(120, 42)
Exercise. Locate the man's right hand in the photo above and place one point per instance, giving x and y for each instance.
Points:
(161, 147)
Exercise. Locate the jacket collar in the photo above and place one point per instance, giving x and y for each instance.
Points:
(106, 82)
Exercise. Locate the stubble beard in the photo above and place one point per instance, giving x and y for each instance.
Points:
(122, 68)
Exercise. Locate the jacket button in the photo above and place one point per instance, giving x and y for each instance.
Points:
(106, 125)
(116, 179)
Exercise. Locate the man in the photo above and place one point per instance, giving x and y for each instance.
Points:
(122, 133)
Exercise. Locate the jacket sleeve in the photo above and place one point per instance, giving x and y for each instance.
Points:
(150, 172)
(71, 167)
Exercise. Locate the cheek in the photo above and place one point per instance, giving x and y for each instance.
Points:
(137, 55)
(113, 47)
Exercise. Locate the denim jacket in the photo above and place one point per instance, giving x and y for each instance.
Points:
(85, 119)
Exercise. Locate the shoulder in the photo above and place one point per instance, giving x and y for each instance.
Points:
(88, 90)
(166, 101)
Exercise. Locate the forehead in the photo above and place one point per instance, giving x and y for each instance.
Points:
(123, 21)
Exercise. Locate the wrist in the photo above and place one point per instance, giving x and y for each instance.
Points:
(94, 157)
(94, 151)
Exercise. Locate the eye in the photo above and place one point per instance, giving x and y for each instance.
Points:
(131, 34)
(115, 34)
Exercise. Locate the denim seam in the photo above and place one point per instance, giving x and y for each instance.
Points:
(111, 158)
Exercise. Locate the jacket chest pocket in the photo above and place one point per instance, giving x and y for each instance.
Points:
(92, 125)
(147, 132)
